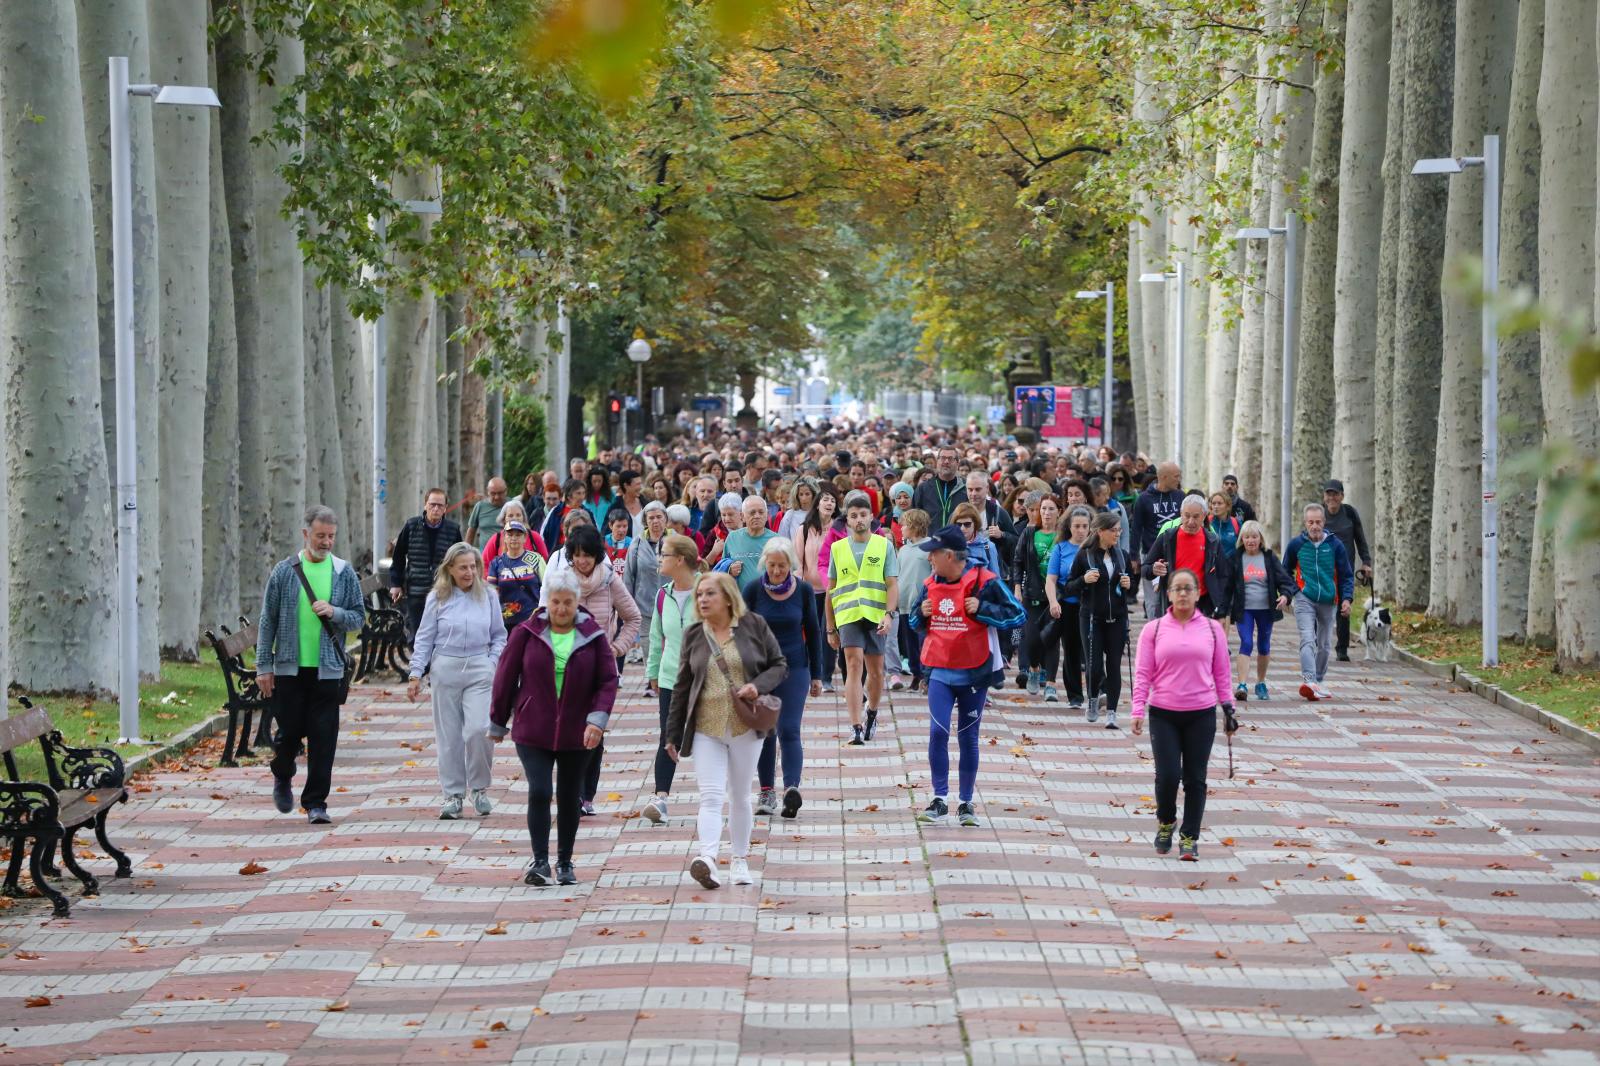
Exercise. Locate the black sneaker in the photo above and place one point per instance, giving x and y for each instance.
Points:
(537, 873)
(1344, 656)
(969, 817)
(871, 726)
(935, 811)
(791, 802)
(586, 808)
(318, 816)
(855, 736)
(282, 794)
(565, 874)
(1188, 849)
(1164, 831)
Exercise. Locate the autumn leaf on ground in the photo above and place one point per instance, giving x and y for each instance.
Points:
(36, 1001)
(252, 867)
(335, 1008)
(497, 929)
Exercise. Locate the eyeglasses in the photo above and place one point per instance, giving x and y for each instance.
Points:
(965, 524)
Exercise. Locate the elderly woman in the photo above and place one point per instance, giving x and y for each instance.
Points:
(513, 511)
(553, 693)
(680, 520)
(729, 507)
(641, 571)
(727, 651)
(604, 598)
(460, 639)
(789, 607)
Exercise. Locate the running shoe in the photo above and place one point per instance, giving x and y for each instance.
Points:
(656, 810)
(1188, 848)
(739, 871)
(1241, 693)
(318, 816)
(1050, 695)
(481, 802)
(969, 817)
(1035, 680)
(855, 736)
(537, 873)
(1308, 691)
(896, 683)
(934, 812)
(1322, 693)
(1092, 713)
(767, 802)
(872, 724)
(586, 808)
(1075, 705)
(827, 686)
(704, 871)
(1111, 718)
(791, 802)
(1164, 831)
(451, 809)
(1261, 690)
(565, 874)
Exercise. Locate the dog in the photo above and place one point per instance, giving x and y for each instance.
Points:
(1375, 631)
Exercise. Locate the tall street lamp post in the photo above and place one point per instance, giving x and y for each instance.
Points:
(1109, 292)
(1490, 162)
(122, 298)
(639, 352)
(1175, 382)
(380, 393)
(1290, 232)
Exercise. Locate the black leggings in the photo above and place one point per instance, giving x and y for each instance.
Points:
(568, 766)
(1103, 646)
(1065, 651)
(1181, 743)
(665, 767)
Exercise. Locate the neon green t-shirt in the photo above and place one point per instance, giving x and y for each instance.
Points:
(1043, 541)
(321, 577)
(562, 643)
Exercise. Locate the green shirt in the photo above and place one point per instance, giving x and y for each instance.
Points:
(562, 645)
(1043, 543)
(485, 519)
(321, 577)
(741, 547)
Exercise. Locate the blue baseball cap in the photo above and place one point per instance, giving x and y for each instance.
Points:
(950, 537)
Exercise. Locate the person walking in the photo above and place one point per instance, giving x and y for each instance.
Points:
(1154, 507)
(1180, 676)
(1067, 639)
(312, 600)
(913, 568)
(641, 572)
(459, 643)
(1318, 564)
(789, 607)
(1261, 590)
(516, 574)
(674, 609)
(1238, 506)
(961, 608)
(1100, 578)
(727, 652)
(1344, 522)
(604, 598)
(485, 521)
(1029, 567)
(418, 551)
(553, 693)
(861, 587)
(814, 564)
(1222, 524)
(939, 494)
(745, 545)
(1190, 546)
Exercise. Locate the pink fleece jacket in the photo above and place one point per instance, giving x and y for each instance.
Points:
(1181, 666)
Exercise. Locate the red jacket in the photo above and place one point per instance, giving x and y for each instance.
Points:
(525, 686)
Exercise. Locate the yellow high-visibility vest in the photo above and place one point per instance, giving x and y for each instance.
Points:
(859, 594)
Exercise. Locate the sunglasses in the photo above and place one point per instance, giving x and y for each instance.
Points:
(965, 524)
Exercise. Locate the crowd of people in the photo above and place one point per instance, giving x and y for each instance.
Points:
(742, 576)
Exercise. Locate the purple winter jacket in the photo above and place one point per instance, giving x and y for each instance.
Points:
(525, 686)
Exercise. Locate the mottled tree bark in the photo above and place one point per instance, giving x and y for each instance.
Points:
(219, 508)
(1386, 487)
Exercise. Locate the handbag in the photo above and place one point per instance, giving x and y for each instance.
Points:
(327, 627)
(759, 714)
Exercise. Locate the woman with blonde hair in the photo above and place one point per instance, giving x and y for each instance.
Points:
(728, 651)
(460, 639)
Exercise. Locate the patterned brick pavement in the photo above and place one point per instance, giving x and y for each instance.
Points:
(1398, 876)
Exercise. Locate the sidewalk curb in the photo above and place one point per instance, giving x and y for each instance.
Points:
(1554, 723)
(180, 743)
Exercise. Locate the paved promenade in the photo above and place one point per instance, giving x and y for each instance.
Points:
(1398, 876)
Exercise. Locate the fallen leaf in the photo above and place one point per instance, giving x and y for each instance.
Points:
(36, 1001)
(500, 1027)
(252, 867)
(335, 1008)
(480, 1042)
(497, 929)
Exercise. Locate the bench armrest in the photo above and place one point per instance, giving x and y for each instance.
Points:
(25, 806)
(88, 768)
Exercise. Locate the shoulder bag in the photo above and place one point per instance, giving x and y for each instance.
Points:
(759, 714)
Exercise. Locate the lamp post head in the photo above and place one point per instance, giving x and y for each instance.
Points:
(639, 350)
(1090, 294)
(1258, 233)
(187, 95)
(1151, 279)
(1437, 166)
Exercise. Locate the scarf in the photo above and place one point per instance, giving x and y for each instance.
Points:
(780, 589)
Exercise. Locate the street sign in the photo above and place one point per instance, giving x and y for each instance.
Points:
(996, 413)
(1036, 405)
(1086, 403)
(631, 402)
(708, 403)
(783, 390)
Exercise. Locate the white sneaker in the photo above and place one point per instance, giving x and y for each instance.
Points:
(451, 809)
(656, 810)
(739, 870)
(704, 870)
(481, 802)
(896, 683)
(1322, 693)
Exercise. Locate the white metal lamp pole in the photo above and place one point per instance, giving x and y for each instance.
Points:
(1290, 232)
(1109, 292)
(1490, 162)
(127, 498)
(639, 352)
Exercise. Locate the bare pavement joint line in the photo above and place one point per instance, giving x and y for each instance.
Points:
(1406, 867)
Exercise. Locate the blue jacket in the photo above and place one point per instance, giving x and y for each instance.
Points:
(278, 642)
(1322, 571)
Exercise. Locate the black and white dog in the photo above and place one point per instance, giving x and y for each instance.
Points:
(1375, 630)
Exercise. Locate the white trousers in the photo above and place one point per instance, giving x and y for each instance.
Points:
(461, 690)
(725, 768)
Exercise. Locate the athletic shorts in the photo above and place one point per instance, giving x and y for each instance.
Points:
(861, 634)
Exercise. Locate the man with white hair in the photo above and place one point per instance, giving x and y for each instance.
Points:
(1320, 565)
(1189, 545)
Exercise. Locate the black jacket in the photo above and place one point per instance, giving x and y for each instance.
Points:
(1025, 565)
(929, 497)
(413, 564)
(1278, 584)
(1218, 567)
(1346, 525)
(1150, 511)
(1105, 600)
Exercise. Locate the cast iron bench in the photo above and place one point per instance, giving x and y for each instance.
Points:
(244, 698)
(84, 784)
(383, 634)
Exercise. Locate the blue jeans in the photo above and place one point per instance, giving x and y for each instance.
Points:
(910, 641)
(665, 767)
(791, 692)
(942, 698)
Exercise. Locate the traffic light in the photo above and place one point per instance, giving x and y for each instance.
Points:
(613, 408)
